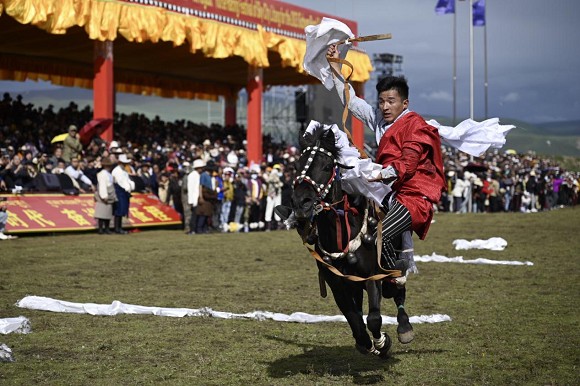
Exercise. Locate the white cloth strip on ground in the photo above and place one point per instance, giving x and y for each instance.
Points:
(6, 353)
(459, 259)
(493, 244)
(118, 308)
(19, 325)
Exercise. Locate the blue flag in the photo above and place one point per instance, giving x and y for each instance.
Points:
(445, 6)
(479, 13)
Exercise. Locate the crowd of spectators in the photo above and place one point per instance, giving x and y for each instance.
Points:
(162, 155)
(504, 181)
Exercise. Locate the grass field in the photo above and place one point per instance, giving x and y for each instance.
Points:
(512, 325)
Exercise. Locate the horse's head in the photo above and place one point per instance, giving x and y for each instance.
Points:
(315, 182)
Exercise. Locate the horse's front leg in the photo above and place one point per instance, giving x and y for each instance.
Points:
(381, 341)
(348, 298)
(404, 329)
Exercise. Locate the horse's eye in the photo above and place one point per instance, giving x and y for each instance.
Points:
(328, 168)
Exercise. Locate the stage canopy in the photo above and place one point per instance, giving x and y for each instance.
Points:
(173, 48)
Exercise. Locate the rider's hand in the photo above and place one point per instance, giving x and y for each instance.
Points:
(388, 175)
(332, 51)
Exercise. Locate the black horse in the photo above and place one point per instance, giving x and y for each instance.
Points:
(341, 227)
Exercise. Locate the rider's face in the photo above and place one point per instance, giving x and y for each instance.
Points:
(392, 105)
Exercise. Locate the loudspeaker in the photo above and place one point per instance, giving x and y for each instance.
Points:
(45, 182)
(301, 107)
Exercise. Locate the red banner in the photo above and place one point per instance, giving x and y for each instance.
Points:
(59, 212)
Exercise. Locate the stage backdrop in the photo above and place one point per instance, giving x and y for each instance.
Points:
(59, 212)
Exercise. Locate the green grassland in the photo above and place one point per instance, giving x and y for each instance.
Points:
(511, 325)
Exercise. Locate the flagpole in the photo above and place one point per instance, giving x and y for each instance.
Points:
(485, 63)
(471, 59)
(455, 66)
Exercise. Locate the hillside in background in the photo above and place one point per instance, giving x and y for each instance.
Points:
(555, 138)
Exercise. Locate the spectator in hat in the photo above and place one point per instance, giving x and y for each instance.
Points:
(145, 173)
(228, 197)
(105, 197)
(114, 151)
(194, 191)
(174, 192)
(72, 146)
(207, 201)
(459, 192)
(217, 184)
(273, 195)
(123, 188)
(186, 169)
(255, 195)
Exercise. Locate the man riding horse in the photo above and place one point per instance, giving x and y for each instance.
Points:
(401, 188)
(409, 151)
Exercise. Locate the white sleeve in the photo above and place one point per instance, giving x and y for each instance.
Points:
(121, 177)
(71, 172)
(102, 186)
(86, 179)
(193, 189)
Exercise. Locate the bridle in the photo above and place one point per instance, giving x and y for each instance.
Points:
(321, 190)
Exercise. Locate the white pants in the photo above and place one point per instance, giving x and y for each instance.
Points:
(271, 203)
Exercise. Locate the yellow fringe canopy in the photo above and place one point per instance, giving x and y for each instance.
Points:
(107, 19)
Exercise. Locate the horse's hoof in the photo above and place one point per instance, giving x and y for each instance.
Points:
(384, 350)
(361, 349)
(406, 337)
(379, 347)
(404, 329)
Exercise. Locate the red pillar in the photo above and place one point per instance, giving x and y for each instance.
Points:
(358, 128)
(230, 110)
(103, 86)
(254, 132)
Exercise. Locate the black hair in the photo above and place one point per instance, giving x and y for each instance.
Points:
(398, 83)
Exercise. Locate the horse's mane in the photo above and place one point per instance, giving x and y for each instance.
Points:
(321, 134)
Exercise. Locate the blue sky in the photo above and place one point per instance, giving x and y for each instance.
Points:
(532, 51)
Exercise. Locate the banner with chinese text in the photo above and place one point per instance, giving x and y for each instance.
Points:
(59, 212)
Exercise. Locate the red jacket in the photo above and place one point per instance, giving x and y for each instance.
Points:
(420, 181)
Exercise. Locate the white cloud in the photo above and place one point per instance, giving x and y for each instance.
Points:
(510, 97)
(437, 96)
